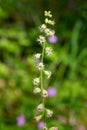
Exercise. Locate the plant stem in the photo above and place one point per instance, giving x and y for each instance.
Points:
(43, 101)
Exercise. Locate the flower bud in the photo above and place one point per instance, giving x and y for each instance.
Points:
(40, 66)
(44, 93)
(49, 113)
(36, 81)
(48, 13)
(48, 51)
(37, 90)
(37, 118)
(47, 73)
(40, 107)
(37, 56)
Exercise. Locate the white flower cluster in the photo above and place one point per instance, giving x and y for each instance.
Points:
(38, 81)
(43, 28)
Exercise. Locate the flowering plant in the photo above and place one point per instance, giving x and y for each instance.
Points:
(46, 31)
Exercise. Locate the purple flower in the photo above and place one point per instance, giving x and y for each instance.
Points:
(40, 125)
(20, 120)
(52, 91)
(53, 39)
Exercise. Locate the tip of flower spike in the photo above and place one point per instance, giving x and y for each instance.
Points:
(47, 13)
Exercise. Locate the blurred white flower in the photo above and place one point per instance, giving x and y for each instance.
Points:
(49, 32)
(42, 27)
(44, 93)
(41, 39)
(38, 118)
(37, 56)
(36, 81)
(40, 107)
(40, 66)
(49, 113)
(37, 90)
(47, 73)
(48, 50)
(51, 22)
(48, 13)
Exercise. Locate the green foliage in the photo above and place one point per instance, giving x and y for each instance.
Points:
(19, 22)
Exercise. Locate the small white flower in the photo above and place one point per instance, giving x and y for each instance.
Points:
(51, 22)
(42, 27)
(48, 50)
(40, 107)
(46, 20)
(38, 118)
(49, 32)
(40, 66)
(36, 81)
(37, 90)
(37, 56)
(48, 13)
(41, 39)
(47, 73)
(44, 93)
(49, 113)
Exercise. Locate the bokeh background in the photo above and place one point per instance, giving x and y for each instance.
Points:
(19, 21)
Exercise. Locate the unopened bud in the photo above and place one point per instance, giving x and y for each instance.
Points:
(49, 113)
(36, 81)
(38, 118)
(37, 56)
(37, 90)
(47, 73)
(44, 93)
(40, 107)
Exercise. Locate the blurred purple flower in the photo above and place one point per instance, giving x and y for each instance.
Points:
(20, 120)
(52, 91)
(40, 125)
(53, 39)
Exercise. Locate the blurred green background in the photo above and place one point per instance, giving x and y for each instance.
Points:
(19, 21)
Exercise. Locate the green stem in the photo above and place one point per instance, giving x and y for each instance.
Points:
(43, 49)
(43, 101)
